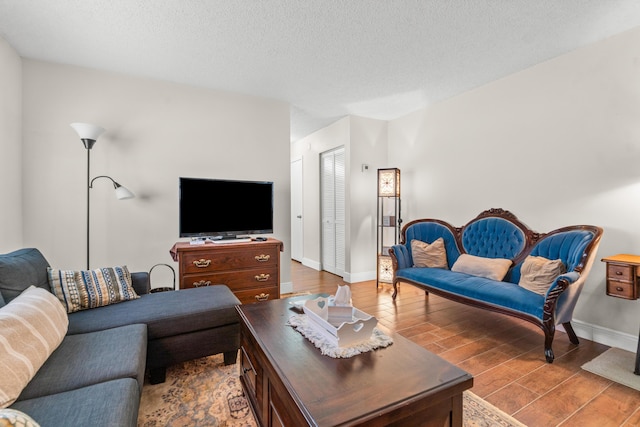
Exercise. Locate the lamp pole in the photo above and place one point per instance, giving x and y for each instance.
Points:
(88, 196)
(89, 134)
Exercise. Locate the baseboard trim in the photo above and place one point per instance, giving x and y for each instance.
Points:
(605, 336)
(359, 277)
(286, 288)
(311, 263)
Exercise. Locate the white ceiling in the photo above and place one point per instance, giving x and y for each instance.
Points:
(327, 58)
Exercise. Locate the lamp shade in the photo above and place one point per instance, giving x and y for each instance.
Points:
(88, 133)
(385, 269)
(389, 182)
(122, 193)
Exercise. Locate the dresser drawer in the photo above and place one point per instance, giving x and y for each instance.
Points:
(620, 272)
(258, 295)
(199, 262)
(621, 289)
(248, 371)
(235, 280)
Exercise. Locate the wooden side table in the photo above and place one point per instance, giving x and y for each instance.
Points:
(623, 282)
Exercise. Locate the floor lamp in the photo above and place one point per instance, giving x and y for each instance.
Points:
(89, 134)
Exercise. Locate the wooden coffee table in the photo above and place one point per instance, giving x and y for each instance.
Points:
(288, 382)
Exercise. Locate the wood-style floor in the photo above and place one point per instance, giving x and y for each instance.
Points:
(505, 355)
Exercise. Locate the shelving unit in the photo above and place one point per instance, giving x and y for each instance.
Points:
(388, 221)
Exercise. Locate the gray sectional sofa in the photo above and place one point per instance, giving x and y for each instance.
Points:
(95, 376)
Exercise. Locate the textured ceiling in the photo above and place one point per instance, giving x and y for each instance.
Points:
(327, 58)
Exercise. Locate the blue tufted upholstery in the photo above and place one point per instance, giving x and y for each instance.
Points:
(429, 232)
(568, 246)
(493, 238)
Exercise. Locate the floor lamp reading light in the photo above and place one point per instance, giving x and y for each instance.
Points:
(89, 134)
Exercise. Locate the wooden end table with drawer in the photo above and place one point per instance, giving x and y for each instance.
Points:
(250, 269)
(623, 282)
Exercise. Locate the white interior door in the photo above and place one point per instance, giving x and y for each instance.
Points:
(296, 211)
(333, 211)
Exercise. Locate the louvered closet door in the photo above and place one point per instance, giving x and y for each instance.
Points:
(333, 211)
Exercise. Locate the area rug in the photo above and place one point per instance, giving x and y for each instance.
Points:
(205, 393)
(199, 393)
(303, 324)
(616, 365)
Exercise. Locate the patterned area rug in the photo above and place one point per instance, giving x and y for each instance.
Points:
(204, 392)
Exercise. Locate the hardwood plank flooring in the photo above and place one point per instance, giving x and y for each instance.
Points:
(505, 355)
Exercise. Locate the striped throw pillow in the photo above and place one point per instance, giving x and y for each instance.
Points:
(80, 290)
(32, 326)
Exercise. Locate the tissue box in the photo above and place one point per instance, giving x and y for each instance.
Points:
(337, 314)
(357, 329)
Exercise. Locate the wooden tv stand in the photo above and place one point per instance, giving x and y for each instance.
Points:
(250, 269)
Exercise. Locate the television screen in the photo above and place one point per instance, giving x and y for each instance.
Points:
(220, 208)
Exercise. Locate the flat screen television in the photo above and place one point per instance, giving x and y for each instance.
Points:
(225, 209)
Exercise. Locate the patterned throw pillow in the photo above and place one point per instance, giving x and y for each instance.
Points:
(491, 268)
(429, 255)
(13, 418)
(538, 273)
(32, 326)
(80, 290)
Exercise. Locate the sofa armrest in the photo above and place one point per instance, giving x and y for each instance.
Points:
(402, 256)
(563, 280)
(141, 282)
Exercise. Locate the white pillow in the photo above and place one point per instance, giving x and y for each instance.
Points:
(491, 268)
(32, 326)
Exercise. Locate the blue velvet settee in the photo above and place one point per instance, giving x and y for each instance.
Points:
(497, 263)
(93, 374)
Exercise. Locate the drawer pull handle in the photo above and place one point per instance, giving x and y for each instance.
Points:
(619, 288)
(245, 370)
(262, 258)
(262, 297)
(202, 263)
(262, 277)
(201, 283)
(618, 273)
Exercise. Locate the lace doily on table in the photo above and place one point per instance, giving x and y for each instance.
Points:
(301, 323)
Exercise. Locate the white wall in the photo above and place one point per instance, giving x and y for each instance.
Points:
(309, 150)
(368, 143)
(556, 144)
(156, 132)
(10, 148)
(364, 140)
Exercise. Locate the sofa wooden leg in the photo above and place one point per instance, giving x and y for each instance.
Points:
(158, 375)
(571, 333)
(548, 341)
(548, 354)
(230, 357)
